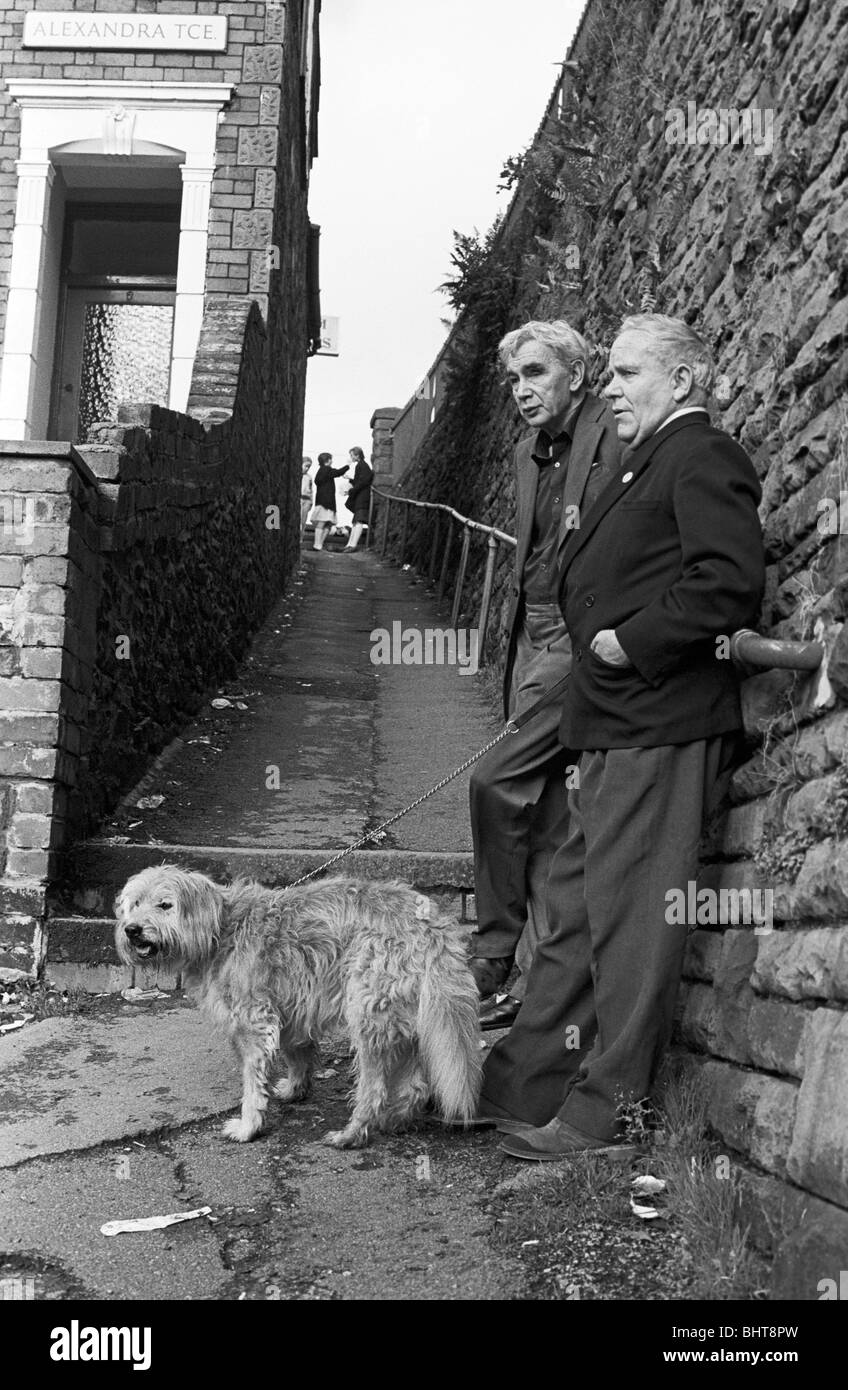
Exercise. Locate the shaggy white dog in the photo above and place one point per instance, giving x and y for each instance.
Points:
(279, 969)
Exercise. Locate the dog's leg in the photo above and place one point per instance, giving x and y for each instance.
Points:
(299, 1061)
(369, 1102)
(257, 1048)
(408, 1092)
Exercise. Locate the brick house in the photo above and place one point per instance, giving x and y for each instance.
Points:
(158, 302)
(141, 180)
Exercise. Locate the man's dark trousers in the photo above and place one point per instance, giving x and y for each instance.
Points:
(519, 802)
(601, 993)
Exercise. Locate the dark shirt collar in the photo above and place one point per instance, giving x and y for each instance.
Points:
(548, 447)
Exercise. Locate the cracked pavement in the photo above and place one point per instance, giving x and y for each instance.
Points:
(407, 1218)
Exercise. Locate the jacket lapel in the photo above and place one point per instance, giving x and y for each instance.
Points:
(527, 479)
(584, 447)
(616, 488)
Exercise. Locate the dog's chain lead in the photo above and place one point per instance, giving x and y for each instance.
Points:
(379, 832)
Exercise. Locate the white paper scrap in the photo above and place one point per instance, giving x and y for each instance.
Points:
(151, 1223)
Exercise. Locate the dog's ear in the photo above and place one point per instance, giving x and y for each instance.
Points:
(201, 913)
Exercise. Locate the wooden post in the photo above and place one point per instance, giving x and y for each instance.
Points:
(486, 600)
(388, 502)
(368, 541)
(460, 579)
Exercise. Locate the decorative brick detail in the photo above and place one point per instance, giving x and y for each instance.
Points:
(257, 146)
(260, 273)
(263, 63)
(252, 229)
(275, 16)
(265, 195)
(269, 106)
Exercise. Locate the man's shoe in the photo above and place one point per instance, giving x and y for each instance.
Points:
(500, 1011)
(557, 1140)
(493, 1118)
(489, 972)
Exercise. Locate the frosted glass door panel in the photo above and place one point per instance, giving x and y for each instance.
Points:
(117, 347)
(126, 356)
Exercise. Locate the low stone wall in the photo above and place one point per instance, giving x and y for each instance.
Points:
(133, 571)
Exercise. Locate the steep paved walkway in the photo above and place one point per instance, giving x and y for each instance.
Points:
(313, 746)
(353, 741)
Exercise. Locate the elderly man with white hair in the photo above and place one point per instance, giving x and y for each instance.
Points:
(518, 791)
(667, 562)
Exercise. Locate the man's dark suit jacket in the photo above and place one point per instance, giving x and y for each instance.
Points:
(594, 449)
(670, 557)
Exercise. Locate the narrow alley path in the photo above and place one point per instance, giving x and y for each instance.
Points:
(353, 741)
(311, 746)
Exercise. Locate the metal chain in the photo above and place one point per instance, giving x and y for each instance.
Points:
(378, 833)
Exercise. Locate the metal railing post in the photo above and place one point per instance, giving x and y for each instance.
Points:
(403, 530)
(486, 599)
(434, 552)
(460, 579)
(444, 573)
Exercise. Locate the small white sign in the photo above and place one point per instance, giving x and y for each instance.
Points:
(329, 338)
(71, 29)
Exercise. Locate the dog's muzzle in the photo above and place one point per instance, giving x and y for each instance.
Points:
(135, 938)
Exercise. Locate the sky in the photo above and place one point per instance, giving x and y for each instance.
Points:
(421, 104)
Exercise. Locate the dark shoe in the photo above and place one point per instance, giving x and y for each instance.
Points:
(557, 1140)
(489, 972)
(500, 1011)
(486, 1118)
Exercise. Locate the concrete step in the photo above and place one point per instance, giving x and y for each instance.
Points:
(80, 935)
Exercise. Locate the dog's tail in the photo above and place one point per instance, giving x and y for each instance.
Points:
(449, 1036)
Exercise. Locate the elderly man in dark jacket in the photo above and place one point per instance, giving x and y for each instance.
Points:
(518, 791)
(665, 566)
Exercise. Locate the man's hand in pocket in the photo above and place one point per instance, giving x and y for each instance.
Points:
(607, 647)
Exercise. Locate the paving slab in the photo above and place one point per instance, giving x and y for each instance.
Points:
(73, 1083)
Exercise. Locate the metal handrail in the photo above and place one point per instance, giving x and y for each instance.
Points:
(496, 538)
(749, 648)
(750, 651)
(502, 536)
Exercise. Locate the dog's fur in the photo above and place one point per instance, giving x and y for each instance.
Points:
(279, 969)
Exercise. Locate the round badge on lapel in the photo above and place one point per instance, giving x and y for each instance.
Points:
(627, 477)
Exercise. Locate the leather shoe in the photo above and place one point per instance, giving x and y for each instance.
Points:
(500, 1011)
(557, 1140)
(489, 972)
(487, 1119)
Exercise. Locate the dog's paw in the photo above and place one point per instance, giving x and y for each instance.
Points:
(289, 1091)
(346, 1139)
(239, 1130)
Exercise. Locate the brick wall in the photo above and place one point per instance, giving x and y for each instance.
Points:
(751, 248)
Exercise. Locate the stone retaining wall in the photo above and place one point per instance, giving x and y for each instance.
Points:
(750, 247)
